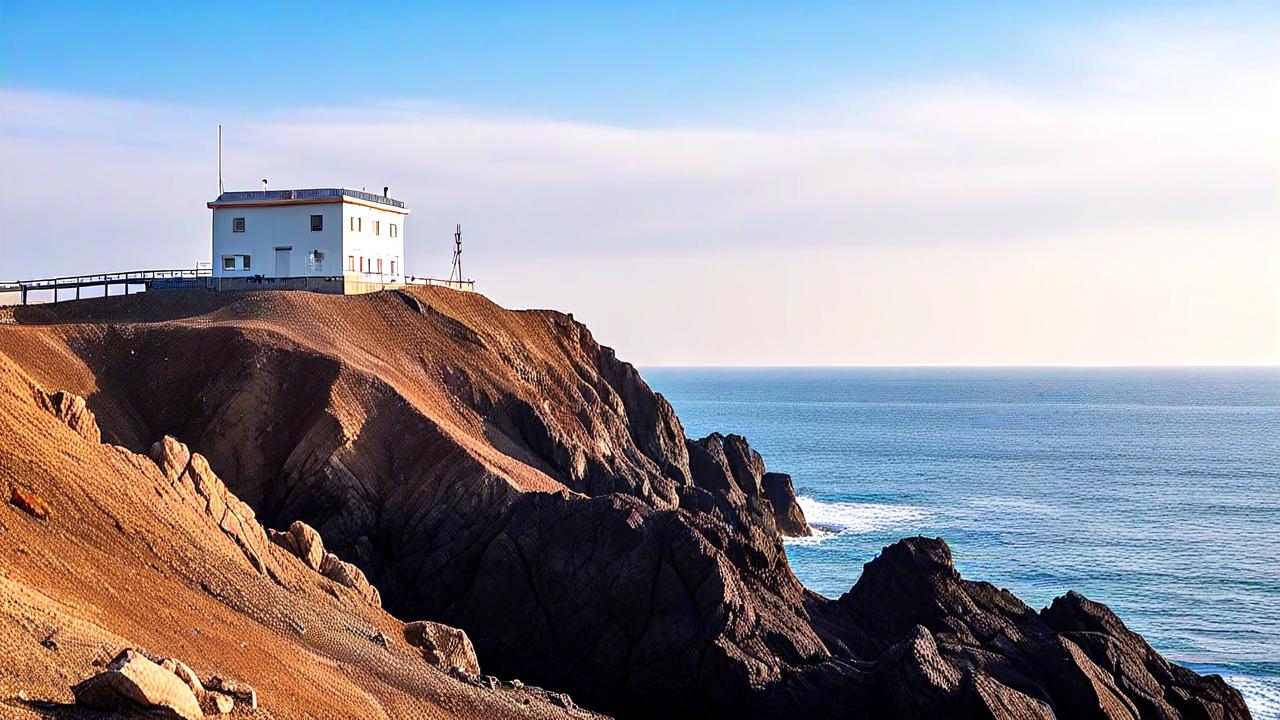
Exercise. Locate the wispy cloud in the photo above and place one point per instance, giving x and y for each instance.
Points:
(1161, 143)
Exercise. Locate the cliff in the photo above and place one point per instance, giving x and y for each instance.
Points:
(504, 473)
(134, 581)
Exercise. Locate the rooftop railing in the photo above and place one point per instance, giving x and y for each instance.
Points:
(308, 194)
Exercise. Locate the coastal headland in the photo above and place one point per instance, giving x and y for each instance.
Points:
(268, 486)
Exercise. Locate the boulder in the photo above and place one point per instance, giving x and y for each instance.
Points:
(72, 410)
(303, 540)
(185, 674)
(787, 513)
(344, 573)
(306, 543)
(132, 682)
(29, 503)
(443, 646)
(216, 703)
(241, 692)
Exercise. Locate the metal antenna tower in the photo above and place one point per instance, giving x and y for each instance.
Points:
(456, 272)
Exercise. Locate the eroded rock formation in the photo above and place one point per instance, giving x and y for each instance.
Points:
(504, 473)
(135, 551)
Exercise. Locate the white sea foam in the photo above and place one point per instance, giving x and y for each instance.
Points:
(1261, 695)
(829, 519)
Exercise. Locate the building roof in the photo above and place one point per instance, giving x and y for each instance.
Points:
(301, 197)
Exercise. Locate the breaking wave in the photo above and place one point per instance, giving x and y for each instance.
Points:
(829, 519)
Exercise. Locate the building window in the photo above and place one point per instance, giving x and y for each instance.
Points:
(317, 223)
(228, 262)
(237, 224)
(361, 265)
(379, 266)
(351, 263)
(359, 224)
(393, 263)
(244, 262)
(377, 227)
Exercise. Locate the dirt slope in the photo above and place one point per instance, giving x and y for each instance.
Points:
(126, 557)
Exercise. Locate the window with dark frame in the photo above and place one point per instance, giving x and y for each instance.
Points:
(351, 263)
(237, 224)
(317, 223)
(245, 264)
(228, 262)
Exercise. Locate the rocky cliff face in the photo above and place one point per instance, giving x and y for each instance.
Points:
(502, 472)
(140, 586)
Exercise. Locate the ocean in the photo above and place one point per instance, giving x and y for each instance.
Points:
(1155, 491)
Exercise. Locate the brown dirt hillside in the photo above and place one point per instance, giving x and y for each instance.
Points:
(502, 472)
(125, 558)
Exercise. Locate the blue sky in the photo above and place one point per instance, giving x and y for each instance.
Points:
(630, 63)
(811, 183)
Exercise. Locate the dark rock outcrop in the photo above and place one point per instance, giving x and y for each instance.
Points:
(786, 510)
(949, 647)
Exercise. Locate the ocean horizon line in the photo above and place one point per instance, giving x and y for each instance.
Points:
(994, 366)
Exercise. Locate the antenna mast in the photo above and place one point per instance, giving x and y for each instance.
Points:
(219, 159)
(457, 255)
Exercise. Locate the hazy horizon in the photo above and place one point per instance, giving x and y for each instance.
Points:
(823, 185)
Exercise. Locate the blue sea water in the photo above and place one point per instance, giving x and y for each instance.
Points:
(1155, 491)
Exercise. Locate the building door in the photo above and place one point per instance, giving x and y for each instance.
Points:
(282, 262)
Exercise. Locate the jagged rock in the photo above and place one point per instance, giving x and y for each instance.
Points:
(786, 511)
(344, 573)
(185, 674)
(923, 623)
(302, 540)
(241, 692)
(133, 681)
(745, 463)
(192, 479)
(561, 700)
(918, 681)
(305, 542)
(443, 646)
(216, 703)
(72, 410)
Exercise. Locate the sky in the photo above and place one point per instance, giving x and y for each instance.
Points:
(923, 183)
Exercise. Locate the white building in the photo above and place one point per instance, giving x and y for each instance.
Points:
(327, 232)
